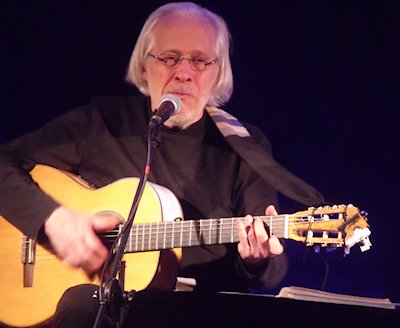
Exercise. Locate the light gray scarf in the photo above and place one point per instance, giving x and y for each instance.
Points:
(261, 161)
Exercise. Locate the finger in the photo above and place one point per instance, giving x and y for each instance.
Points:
(271, 210)
(104, 222)
(275, 246)
(91, 253)
(268, 245)
(259, 250)
(260, 232)
(95, 253)
(243, 245)
(87, 254)
(251, 236)
(74, 241)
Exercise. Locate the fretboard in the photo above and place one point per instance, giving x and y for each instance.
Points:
(166, 235)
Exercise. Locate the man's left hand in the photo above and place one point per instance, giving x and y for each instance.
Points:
(255, 246)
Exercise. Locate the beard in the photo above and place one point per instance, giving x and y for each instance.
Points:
(184, 119)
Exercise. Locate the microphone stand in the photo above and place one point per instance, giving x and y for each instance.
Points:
(111, 294)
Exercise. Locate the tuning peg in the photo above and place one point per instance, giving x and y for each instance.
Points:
(317, 248)
(331, 247)
(360, 235)
(365, 244)
(364, 215)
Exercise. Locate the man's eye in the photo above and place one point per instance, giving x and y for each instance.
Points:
(170, 58)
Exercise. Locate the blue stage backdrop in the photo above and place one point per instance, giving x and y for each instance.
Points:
(318, 77)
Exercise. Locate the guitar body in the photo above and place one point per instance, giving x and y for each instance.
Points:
(26, 306)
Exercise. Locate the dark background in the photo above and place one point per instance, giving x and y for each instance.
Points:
(319, 77)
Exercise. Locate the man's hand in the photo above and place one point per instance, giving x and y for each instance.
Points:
(73, 238)
(255, 246)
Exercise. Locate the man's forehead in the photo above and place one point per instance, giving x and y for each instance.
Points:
(174, 33)
(183, 25)
(176, 18)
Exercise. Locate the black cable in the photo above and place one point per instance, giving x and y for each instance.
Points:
(118, 247)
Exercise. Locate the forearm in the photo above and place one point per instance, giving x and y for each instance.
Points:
(265, 277)
(22, 203)
(58, 144)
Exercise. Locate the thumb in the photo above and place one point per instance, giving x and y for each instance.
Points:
(105, 221)
(271, 210)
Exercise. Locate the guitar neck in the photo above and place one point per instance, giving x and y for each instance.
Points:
(166, 235)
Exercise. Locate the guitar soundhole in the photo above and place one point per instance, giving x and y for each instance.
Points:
(106, 214)
(109, 237)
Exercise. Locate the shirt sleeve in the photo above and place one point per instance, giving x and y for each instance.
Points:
(59, 144)
(252, 195)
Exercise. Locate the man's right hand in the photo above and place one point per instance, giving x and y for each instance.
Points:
(73, 238)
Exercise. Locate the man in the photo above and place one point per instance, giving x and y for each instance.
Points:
(183, 49)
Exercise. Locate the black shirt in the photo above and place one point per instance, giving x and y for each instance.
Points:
(106, 141)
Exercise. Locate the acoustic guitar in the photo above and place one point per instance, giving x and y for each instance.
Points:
(32, 277)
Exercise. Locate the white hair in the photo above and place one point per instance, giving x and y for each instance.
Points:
(224, 86)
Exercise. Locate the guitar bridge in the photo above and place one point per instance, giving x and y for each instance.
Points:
(28, 260)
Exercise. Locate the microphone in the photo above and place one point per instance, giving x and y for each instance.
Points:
(170, 105)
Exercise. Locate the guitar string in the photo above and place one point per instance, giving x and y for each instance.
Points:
(141, 228)
(222, 235)
(225, 234)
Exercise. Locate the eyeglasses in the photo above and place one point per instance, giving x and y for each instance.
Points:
(174, 60)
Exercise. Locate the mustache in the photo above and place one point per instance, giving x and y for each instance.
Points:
(181, 89)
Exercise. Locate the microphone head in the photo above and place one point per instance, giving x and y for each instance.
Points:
(175, 100)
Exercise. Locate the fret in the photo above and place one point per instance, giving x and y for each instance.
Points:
(176, 233)
(181, 241)
(173, 230)
(190, 232)
(220, 228)
(136, 239)
(150, 235)
(270, 225)
(196, 237)
(165, 237)
(157, 234)
(130, 241)
(201, 231)
(210, 231)
(143, 230)
(232, 223)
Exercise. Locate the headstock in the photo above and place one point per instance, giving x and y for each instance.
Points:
(342, 225)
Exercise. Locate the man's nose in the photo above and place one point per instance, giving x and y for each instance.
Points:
(184, 72)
